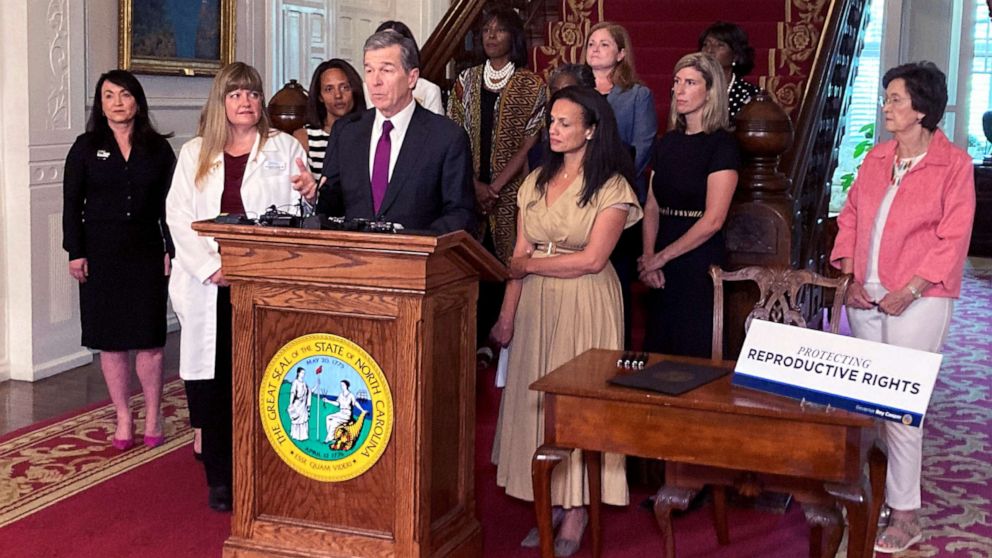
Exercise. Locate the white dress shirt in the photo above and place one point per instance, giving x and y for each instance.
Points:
(401, 121)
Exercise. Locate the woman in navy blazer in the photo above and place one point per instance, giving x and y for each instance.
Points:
(611, 56)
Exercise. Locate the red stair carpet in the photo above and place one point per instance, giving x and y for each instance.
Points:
(664, 31)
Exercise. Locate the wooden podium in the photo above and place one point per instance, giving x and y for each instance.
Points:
(408, 301)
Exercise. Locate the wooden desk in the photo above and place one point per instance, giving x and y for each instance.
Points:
(819, 453)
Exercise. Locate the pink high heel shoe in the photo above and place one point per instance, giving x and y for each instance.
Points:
(154, 441)
(122, 445)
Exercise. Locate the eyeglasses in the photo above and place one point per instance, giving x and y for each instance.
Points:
(883, 101)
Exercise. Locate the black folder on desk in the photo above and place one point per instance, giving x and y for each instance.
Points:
(670, 378)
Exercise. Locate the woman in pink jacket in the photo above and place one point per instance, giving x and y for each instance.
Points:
(904, 234)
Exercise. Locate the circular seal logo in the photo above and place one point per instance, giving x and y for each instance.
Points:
(907, 419)
(326, 407)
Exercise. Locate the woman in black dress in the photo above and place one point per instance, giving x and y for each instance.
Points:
(695, 174)
(117, 175)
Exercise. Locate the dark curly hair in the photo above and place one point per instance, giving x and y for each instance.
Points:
(316, 111)
(927, 87)
(736, 39)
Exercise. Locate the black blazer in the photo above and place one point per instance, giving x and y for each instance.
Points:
(431, 185)
(101, 188)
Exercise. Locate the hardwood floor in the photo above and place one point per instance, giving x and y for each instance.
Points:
(25, 403)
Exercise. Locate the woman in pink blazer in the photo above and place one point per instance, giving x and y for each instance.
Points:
(904, 234)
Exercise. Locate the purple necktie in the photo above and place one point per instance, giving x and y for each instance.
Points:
(380, 166)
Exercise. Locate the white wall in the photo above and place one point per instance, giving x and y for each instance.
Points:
(42, 69)
(938, 31)
(311, 31)
(53, 52)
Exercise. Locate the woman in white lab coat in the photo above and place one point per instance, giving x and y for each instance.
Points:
(237, 164)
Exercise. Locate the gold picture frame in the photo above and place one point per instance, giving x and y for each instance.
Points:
(199, 46)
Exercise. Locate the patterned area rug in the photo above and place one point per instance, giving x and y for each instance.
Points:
(957, 455)
(44, 466)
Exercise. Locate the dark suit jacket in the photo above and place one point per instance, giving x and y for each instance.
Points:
(431, 185)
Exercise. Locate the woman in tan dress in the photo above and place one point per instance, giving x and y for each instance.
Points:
(563, 297)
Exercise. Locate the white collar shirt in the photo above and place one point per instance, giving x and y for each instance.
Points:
(401, 122)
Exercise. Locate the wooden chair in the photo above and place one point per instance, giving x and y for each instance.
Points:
(780, 297)
(782, 293)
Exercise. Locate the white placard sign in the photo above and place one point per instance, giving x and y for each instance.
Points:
(876, 379)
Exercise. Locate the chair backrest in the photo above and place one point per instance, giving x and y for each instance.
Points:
(780, 297)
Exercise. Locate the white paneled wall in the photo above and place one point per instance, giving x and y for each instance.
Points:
(43, 75)
(356, 21)
(308, 32)
(303, 29)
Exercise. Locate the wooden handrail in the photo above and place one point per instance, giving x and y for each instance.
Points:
(815, 94)
(813, 157)
(448, 37)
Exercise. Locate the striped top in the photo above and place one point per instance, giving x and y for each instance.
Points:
(317, 145)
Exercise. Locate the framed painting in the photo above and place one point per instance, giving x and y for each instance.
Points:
(186, 37)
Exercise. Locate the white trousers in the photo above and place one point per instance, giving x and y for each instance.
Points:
(923, 325)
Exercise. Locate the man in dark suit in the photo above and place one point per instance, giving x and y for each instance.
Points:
(398, 162)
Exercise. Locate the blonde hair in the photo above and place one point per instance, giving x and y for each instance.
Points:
(623, 74)
(213, 129)
(716, 115)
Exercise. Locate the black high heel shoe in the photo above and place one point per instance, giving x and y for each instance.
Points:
(219, 498)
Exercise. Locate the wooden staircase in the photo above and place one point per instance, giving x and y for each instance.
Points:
(664, 31)
(805, 58)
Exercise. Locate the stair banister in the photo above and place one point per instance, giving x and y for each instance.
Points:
(448, 38)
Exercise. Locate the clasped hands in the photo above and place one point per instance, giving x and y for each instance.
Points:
(649, 268)
(893, 303)
(486, 196)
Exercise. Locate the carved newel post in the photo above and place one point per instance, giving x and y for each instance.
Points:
(287, 108)
(758, 230)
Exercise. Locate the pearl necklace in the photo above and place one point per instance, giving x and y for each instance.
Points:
(496, 79)
(733, 78)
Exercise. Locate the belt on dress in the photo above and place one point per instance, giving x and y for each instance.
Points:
(669, 212)
(551, 248)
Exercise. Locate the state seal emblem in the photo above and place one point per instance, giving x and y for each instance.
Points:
(326, 407)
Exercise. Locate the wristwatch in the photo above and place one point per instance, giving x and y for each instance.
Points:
(917, 293)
